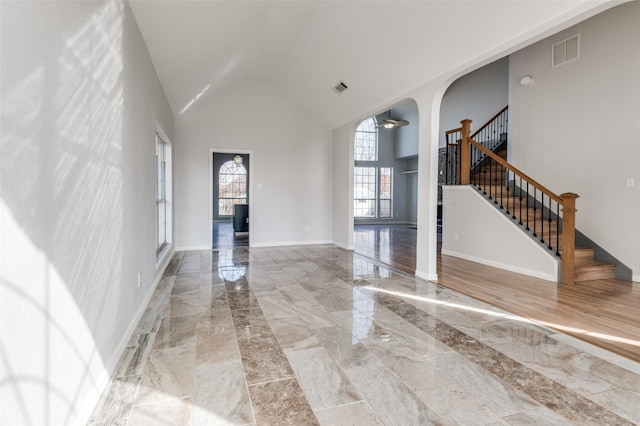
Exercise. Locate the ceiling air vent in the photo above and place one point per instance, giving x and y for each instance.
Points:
(340, 87)
(565, 51)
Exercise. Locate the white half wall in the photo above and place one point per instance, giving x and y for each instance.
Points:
(291, 165)
(80, 106)
(473, 229)
(342, 211)
(575, 129)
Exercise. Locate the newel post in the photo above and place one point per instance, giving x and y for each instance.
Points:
(465, 163)
(568, 237)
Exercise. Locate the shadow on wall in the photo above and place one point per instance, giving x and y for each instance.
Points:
(61, 208)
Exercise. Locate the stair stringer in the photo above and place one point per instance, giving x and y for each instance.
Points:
(486, 235)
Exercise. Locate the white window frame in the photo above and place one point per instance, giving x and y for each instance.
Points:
(164, 194)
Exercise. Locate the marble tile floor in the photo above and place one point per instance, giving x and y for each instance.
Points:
(224, 238)
(316, 335)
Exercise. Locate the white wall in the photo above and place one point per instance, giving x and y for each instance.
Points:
(290, 201)
(473, 229)
(80, 101)
(478, 96)
(342, 180)
(576, 127)
(428, 99)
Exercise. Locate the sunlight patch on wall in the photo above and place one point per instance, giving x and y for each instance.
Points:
(48, 356)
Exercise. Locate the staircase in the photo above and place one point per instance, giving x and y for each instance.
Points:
(480, 159)
(546, 231)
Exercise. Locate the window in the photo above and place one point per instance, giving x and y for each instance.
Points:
(373, 185)
(364, 192)
(162, 152)
(232, 187)
(385, 188)
(366, 142)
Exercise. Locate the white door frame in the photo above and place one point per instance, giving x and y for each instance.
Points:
(250, 201)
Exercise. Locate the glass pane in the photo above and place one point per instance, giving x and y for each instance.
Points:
(364, 208)
(385, 182)
(162, 226)
(224, 207)
(232, 187)
(366, 141)
(385, 208)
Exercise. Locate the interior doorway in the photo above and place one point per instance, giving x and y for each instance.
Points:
(230, 195)
(385, 193)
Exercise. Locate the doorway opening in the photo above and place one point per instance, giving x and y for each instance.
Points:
(230, 200)
(385, 187)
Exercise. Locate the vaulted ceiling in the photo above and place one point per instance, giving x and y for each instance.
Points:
(380, 49)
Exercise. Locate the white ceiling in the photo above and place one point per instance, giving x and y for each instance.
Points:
(380, 49)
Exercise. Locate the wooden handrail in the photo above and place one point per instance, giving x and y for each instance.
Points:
(489, 121)
(515, 170)
(448, 132)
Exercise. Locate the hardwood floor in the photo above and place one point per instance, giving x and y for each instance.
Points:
(605, 313)
(394, 245)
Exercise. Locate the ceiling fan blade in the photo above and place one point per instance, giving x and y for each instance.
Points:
(390, 123)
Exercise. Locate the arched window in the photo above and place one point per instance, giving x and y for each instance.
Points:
(232, 187)
(366, 143)
(373, 185)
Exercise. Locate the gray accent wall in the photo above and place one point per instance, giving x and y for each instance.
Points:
(575, 129)
(406, 143)
(478, 96)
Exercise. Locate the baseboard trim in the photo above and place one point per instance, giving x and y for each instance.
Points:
(636, 278)
(94, 396)
(292, 243)
(110, 366)
(193, 248)
(372, 222)
(535, 274)
(343, 246)
(426, 276)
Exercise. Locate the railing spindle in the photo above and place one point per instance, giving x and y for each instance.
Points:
(542, 240)
(534, 215)
(535, 205)
(520, 198)
(557, 229)
(499, 182)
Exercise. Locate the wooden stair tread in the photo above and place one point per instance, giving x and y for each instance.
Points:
(596, 265)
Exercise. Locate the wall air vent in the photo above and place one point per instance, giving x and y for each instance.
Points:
(340, 87)
(565, 51)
